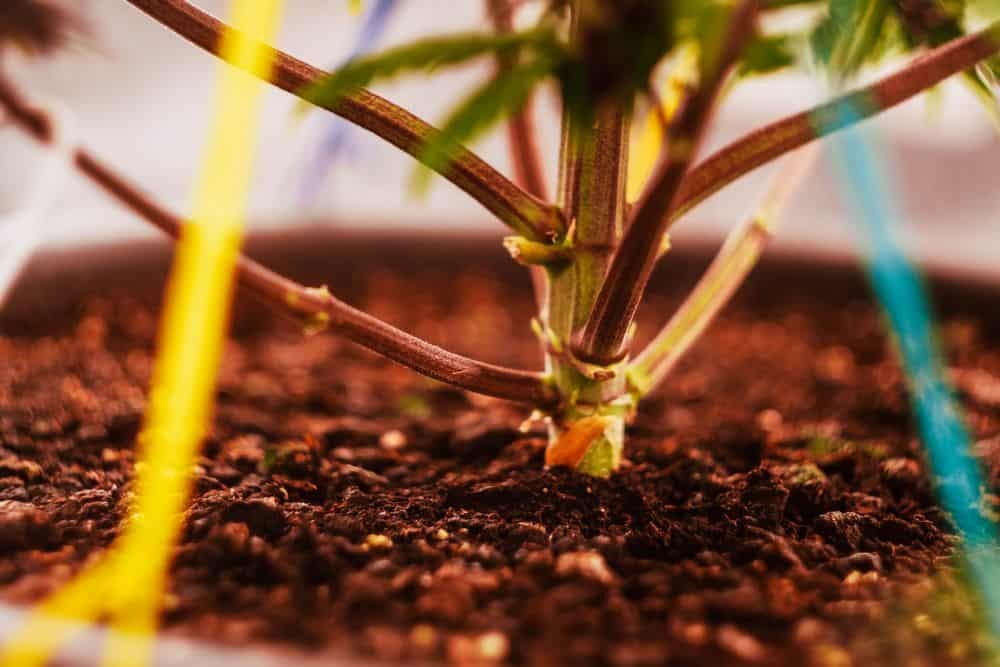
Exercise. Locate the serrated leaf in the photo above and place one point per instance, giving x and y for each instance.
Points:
(500, 97)
(423, 55)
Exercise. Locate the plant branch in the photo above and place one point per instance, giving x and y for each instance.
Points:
(602, 340)
(729, 269)
(772, 141)
(521, 135)
(522, 141)
(521, 211)
(316, 306)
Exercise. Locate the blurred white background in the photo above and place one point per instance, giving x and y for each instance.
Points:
(142, 95)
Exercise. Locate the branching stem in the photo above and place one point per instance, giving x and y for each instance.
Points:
(729, 269)
(315, 306)
(521, 211)
(522, 139)
(602, 340)
(587, 431)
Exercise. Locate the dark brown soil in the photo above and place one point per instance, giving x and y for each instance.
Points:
(774, 507)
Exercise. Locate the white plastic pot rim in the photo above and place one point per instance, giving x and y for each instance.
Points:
(87, 643)
(21, 230)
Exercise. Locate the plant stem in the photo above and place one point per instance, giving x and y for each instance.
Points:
(316, 306)
(774, 140)
(729, 269)
(602, 340)
(592, 191)
(599, 201)
(521, 211)
(522, 139)
(589, 429)
(521, 135)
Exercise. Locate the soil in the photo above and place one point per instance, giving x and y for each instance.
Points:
(774, 507)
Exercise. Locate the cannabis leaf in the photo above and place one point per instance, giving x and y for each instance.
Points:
(853, 33)
(426, 55)
(500, 97)
(768, 54)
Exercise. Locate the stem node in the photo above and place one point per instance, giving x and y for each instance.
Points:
(532, 253)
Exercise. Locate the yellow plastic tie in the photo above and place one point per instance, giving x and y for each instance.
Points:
(645, 150)
(126, 585)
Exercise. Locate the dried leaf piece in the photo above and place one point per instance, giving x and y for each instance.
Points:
(575, 441)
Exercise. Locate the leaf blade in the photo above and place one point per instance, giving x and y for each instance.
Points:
(427, 55)
(504, 94)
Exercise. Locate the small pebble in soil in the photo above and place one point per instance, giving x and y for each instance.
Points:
(23, 526)
(378, 542)
(423, 639)
(830, 655)
(740, 644)
(586, 564)
(489, 648)
(393, 440)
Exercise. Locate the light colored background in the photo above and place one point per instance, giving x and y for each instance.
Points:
(141, 98)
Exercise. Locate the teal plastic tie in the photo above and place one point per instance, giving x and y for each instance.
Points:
(902, 294)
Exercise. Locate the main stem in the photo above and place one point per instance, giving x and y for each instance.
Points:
(603, 339)
(588, 430)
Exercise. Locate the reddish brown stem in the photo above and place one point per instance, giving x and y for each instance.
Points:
(523, 142)
(521, 135)
(772, 141)
(315, 305)
(524, 213)
(602, 340)
(523, 139)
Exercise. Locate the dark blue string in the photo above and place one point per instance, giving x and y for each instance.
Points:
(337, 139)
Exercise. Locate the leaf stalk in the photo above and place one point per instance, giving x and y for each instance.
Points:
(314, 307)
(524, 213)
(730, 268)
(775, 139)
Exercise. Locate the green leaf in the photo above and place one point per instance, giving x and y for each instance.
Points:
(945, 24)
(703, 22)
(500, 97)
(424, 55)
(853, 33)
(768, 54)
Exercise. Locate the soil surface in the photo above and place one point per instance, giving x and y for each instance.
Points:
(774, 507)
